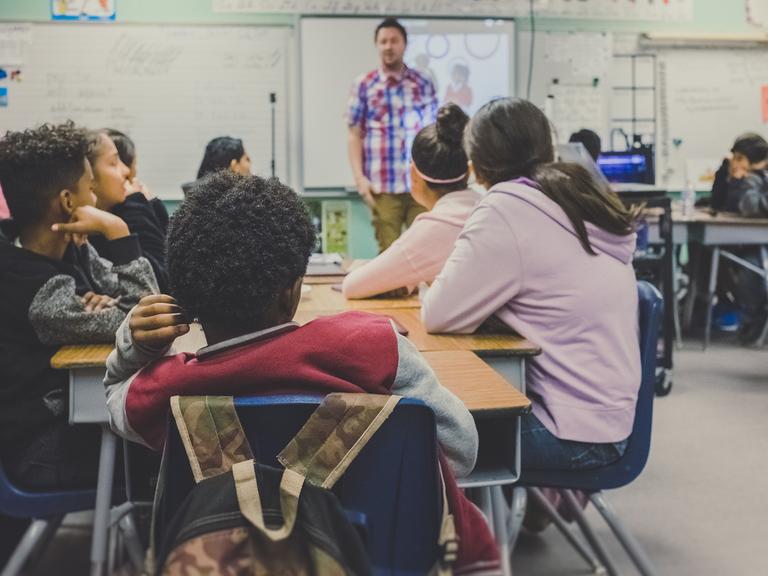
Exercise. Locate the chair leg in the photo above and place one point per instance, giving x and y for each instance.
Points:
(566, 531)
(589, 534)
(625, 538)
(485, 503)
(500, 512)
(132, 542)
(711, 294)
(764, 260)
(38, 530)
(516, 515)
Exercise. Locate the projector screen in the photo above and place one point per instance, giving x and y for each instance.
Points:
(470, 62)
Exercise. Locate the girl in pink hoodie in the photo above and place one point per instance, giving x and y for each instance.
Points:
(439, 173)
(548, 252)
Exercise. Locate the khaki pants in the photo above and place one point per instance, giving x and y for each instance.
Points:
(390, 213)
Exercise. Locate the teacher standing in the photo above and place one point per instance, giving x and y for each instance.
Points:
(387, 108)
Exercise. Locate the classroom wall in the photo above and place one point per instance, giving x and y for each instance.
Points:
(709, 16)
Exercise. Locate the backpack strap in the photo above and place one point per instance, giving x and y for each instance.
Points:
(334, 434)
(211, 433)
(447, 539)
(248, 498)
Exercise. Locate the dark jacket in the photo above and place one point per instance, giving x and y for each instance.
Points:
(147, 219)
(41, 310)
(747, 196)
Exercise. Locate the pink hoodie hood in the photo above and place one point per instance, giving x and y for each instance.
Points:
(622, 248)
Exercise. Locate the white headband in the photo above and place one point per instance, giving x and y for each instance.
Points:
(437, 180)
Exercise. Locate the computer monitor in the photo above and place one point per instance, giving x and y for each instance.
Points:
(628, 166)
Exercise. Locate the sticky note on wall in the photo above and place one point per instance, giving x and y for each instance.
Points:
(764, 103)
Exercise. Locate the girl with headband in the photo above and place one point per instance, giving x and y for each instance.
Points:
(439, 175)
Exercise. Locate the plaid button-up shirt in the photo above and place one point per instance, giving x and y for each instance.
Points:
(390, 110)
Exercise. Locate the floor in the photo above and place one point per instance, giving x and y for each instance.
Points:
(699, 508)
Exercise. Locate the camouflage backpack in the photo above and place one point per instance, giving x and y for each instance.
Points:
(244, 518)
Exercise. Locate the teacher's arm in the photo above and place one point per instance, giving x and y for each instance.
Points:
(355, 149)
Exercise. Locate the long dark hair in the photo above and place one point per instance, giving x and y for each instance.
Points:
(219, 153)
(510, 138)
(437, 150)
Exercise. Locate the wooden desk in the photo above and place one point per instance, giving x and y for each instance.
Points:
(409, 318)
(476, 384)
(323, 298)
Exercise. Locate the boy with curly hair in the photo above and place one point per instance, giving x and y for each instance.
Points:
(238, 249)
(55, 290)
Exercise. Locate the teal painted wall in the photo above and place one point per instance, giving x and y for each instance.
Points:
(709, 16)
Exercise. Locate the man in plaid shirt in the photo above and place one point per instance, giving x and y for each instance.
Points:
(386, 110)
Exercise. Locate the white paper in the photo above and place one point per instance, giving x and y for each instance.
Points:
(14, 42)
(679, 10)
(587, 55)
(499, 8)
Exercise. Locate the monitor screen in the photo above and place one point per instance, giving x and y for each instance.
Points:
(631, 167)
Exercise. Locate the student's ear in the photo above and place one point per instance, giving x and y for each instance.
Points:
(288, 301)
(67, 202)
(233, 165)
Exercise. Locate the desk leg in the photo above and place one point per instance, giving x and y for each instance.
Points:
(764, 259)
(711, 293)
(103, 501)
(500, 518)
(696, 255)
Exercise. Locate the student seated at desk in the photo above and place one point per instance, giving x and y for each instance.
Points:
(238, 248)
(742, 173)
(222, 153)
(55, 290)
(548, 252)
(741, 186)
(439, 174)
(127, 198)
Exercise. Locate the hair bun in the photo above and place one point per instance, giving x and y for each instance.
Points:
(450, 123)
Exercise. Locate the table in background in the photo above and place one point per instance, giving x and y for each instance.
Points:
(718, 230)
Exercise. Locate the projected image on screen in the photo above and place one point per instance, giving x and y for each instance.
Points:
(466, 68)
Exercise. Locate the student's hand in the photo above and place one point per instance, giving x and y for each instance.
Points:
(366, 190)
(736, 170)
(97, 302)
(137, 185)
(157, 321)
(90, 220)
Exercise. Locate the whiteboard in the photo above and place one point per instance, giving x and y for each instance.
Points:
(171, 88)
(336, 51)
(707, 98)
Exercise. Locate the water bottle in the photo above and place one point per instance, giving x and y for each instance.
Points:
(641, 229)
(689, 200)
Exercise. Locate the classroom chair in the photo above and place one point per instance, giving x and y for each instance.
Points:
(46, 509)
(620, 473)
(392, 487)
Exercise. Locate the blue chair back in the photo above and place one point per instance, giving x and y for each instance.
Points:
(20, 503)
(629, 466)
(393, 483)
